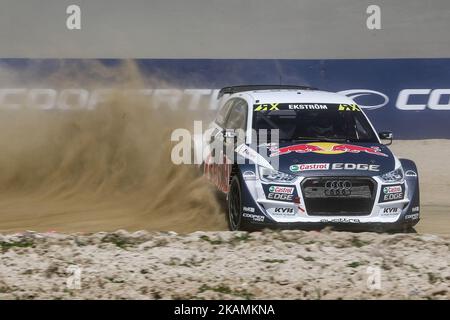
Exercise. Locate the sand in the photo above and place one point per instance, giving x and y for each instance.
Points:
(431, 157)
(225, 265)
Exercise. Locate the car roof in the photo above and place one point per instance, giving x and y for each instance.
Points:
(294, 96)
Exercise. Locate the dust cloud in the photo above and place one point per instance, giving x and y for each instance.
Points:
(101, 169)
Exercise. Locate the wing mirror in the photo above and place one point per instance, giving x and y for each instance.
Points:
(386, 135)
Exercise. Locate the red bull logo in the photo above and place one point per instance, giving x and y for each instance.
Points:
(325, 148)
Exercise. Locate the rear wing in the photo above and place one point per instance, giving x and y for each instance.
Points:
(236, 89)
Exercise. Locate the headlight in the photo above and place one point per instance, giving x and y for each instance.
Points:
(394, 176)
(271, 175)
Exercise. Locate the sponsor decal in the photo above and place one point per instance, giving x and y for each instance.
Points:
(437, 99)
(248, 153)
(348, 107)
(281, 211)
(268, 145)
(371, 99)
(281, 189)
(280, 196)
(295, 106)
(309, 167)
(392, 193)
(266, 107)
(314, 106)
(392, 189)
(340, 220)
(248, 209)
(325, 148)
(334, 166)
(393, 196)
(355, 166)
(284, 210)
(249, 175)
(387, 212)
(407, 99)
(410, 173)
(413, 216)
(254, 217)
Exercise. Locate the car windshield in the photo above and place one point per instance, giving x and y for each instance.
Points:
(314, 122)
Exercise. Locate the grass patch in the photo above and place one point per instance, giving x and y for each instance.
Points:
(385, 266)
(110, 279)
(5, 246)
(274, 260)
(211, 241)
(226, 290)
(355, 264)
(432, 278)
(241, 237)
(309, 259)
(356, 242)
(119, 241)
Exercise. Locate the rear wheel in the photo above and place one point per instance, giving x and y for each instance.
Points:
(235, 205)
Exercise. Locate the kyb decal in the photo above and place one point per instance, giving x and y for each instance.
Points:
(325, 148)
(387, 212)
(281, 211)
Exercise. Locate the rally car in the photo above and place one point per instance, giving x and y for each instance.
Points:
(306, 159)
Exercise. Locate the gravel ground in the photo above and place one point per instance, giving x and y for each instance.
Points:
(229, 265)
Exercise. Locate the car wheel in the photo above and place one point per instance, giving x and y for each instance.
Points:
(235, 205)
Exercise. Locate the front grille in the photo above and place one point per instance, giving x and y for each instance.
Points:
(334, 196)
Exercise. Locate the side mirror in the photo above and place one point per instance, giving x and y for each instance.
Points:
(386, 135)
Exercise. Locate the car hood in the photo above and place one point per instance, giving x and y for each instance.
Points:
(325, 158)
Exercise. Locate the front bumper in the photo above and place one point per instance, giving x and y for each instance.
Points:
(291, 213)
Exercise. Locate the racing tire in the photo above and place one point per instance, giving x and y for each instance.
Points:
(234, 212)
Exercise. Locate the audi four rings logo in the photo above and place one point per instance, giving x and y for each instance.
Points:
(377, 99)
(338, 188)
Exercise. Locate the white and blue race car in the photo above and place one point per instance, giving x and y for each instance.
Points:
(325, 165)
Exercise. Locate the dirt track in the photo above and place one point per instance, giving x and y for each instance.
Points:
(207, 265)
(431, 157)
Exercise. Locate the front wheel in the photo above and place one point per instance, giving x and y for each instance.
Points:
(235, 205)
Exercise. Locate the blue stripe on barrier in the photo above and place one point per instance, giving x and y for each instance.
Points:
(412, 95)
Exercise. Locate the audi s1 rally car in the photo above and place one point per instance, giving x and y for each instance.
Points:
(306, 159)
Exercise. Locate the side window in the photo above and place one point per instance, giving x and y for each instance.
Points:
(223, 113)
(238, 115)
